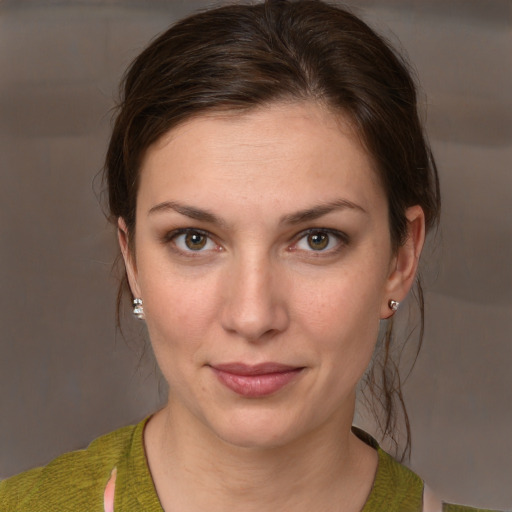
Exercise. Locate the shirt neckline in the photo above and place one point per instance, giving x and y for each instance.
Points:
(135, 484)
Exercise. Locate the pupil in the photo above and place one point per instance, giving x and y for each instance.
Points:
(195, 241)
(318, 241)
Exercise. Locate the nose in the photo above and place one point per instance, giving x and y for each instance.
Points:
(255, 306)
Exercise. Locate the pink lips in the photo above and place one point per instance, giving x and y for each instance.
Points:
(255, 381)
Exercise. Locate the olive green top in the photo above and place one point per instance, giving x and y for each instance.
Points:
(77, 481)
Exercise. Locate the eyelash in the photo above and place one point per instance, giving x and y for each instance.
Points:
(170, 238)
(342, 241)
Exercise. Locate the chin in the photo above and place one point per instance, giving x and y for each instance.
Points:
(251, 432)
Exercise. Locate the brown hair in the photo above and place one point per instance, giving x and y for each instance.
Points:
(244, 56)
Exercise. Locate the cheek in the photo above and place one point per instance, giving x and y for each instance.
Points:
(343, 301)
(179, 311)
(342, 319)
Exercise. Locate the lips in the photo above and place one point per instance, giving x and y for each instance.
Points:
(254, 381)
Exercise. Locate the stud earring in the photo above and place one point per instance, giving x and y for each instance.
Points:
(393, 305)
(138, 309)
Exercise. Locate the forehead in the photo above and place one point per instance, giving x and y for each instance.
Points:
(276, 152)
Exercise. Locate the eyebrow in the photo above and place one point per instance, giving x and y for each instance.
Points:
(320, 210)
(294, 218)
(188, 211)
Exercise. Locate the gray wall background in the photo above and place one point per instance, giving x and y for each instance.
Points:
(66, 376)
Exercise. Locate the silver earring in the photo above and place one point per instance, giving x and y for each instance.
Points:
(138, 309)
(393, 305)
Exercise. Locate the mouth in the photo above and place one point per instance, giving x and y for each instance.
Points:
(256, 381)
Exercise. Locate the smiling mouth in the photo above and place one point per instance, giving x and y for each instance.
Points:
(258, 380)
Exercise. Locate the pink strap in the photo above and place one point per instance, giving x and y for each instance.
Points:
(431, 503)
(110, 489)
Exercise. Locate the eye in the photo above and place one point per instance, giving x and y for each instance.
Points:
(187, 240)
(320, 240)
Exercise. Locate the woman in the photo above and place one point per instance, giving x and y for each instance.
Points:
(272, 187)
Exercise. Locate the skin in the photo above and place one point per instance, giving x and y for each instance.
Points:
(258, 291)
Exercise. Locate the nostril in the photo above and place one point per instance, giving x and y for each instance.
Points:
(255, 321)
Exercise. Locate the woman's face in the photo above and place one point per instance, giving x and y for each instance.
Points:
(263, 257)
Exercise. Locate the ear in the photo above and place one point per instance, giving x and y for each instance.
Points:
(128, 257)
(405, 262)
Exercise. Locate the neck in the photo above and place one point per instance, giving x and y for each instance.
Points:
(328, 469)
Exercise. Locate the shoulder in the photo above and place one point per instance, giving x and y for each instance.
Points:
(408, 489)
(395, 487)
(72, 481)
(399, 488)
